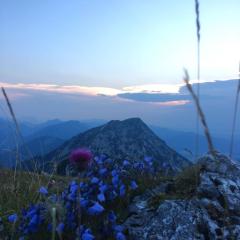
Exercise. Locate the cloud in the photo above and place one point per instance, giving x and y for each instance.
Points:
(155, 97)
(15, 95)
(171, 103)
(150, 88)
(68, 89)
(154, 88)
(153, 94)
(162, 93)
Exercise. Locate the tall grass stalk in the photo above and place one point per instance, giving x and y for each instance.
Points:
(54, 223)
(17, 128)
(19, 134)
(200, 113)
(235, 114)
(197, 12)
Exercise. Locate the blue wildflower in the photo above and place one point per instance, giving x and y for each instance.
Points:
(84, 203)
(49, 227)
(133, 185)
(122, 190)
(96, 209)
(126, 163)
(94, 180)
(101, 197)
(13, 218)
(147, 159)
(102, 171)
(112, 195)
(60, 228)
(73, 187)
(103, 188)
(81, 184)
(115, 180)
(72, 196)
(87, 235)
(120, 236)
(118, 228)
(112, 217)
(114, 172)
(33, 223)
(43, 190)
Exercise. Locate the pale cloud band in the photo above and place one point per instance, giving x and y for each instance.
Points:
(150, 88)
(96, 91)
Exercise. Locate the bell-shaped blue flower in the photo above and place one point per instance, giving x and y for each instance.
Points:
(96, 209)
(133, 185)
(120, 236)
(126, 163)
(114, 172)
(13, 218)
(112, 217)
(43, 190)
(101, 197)
(94, 180)
(115, 180)
(103, 188)
(87, 235)
(122, 190)
(60, 228)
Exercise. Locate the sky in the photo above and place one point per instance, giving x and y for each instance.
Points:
(116, 44)
(85, 59)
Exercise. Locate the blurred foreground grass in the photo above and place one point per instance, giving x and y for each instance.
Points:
(18, 194)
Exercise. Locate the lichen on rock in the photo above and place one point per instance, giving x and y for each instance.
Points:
(212, 212)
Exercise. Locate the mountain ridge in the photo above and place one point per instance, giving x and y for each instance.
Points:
(129, 139)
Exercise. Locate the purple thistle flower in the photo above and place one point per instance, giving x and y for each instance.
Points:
(81, 158)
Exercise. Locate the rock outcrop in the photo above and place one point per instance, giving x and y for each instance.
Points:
(213, 212)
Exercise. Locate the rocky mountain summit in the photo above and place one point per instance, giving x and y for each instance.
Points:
(130, 139)
(212, 212)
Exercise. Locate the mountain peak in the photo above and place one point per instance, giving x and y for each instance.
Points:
(128, 139)
(130, 122)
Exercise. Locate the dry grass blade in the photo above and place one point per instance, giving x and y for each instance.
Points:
(235, 115)
(18, 131)
(17, 128)
(197, 12)
(197, 19)
(200, 112)
(11, 110)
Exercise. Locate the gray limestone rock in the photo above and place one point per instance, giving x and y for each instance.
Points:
(212, 213)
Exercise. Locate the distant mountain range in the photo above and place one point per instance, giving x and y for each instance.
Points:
(185, 142)
(130, 139)
(40, 139)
